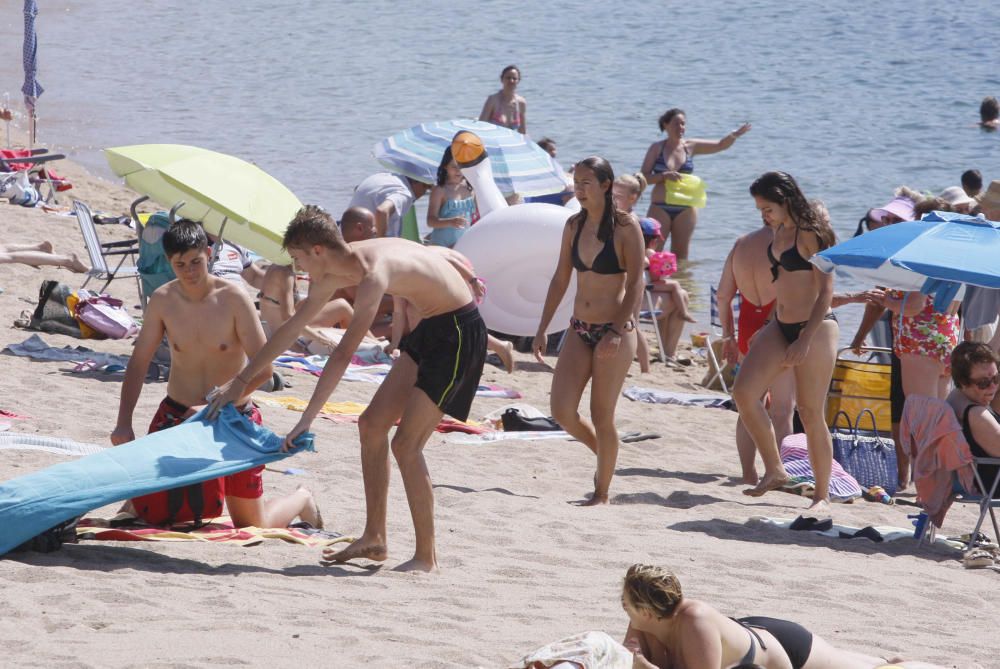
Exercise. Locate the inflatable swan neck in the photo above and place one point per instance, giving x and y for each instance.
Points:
(472, 158)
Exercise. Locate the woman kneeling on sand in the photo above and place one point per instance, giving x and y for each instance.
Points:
(604, 246)
(668, 630)
(802, 335)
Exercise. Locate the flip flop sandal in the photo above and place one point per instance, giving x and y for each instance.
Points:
(24, 320)
(978, 558)
(85, 366)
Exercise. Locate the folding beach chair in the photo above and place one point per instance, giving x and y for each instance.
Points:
(717, 370)
(100, 253)
(33, 161)
(920, 417)
(650, 314)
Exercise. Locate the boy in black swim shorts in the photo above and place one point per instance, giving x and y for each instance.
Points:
(442, 358)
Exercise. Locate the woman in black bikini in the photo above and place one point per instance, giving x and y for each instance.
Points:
(605, 248)
(667, 160)
(668, 630)
(801, 334)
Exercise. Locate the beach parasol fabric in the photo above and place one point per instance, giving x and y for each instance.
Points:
(519, 165)
(31, 89)
(216, 188)
(935, 255)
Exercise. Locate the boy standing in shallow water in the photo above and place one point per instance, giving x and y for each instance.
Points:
(212, 328)
(442, 358)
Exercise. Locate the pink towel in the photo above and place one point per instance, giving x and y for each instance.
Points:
(933, 436)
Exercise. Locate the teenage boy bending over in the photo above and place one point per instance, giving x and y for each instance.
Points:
(442, 358)
(212, 328)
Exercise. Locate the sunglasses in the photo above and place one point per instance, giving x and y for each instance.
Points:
(983, 384)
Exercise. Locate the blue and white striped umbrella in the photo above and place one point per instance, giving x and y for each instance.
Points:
(29, 57)
(519, 165)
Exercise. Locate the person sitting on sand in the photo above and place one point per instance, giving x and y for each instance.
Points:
(609, 284)
(40, 254)
(989, 113)
(405, 318)
(279, 299)
(669, 631)
(211, 328)
(437, 372)
(388, 196)
(802, 335)
(747, 273)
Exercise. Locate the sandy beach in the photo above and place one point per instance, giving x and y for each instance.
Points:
(521, 566)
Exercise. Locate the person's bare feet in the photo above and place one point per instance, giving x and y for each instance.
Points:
(417, 565)
(506, 354)
(686, 315)
(45, 247)
(767, 484)
(310, 514)
(360, 549)
(750, 478)
(596, 500)
(820, 508)
(76, 265)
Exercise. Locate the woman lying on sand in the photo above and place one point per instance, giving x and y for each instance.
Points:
(668, 630)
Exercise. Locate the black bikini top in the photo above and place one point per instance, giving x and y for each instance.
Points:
(606, 261)
(790, 261)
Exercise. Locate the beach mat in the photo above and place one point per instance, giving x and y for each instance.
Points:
(878, 533)
(219, 531)
(192, 452)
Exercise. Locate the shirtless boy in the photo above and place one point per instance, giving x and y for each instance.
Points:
(443, 358)
(212, 328)
(748, 272)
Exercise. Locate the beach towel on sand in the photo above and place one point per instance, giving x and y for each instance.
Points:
(657, 396)
(192, 452)
(589, 650)
(221, 530)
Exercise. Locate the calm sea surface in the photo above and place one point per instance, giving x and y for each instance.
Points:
(851, 98)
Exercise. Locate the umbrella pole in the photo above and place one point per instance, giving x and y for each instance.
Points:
(218, 245)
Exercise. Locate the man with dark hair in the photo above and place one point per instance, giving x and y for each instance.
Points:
(211, 327)
(442, 358)
(972, 182)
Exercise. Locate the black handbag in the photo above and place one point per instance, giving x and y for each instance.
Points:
(515, 421)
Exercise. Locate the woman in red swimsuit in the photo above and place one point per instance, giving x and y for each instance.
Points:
(801, 335)
(505, 107)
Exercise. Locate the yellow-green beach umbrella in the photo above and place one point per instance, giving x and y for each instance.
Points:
(217, 189)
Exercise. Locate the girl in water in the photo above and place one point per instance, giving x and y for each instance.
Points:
(452, 206)
(802, 334)
(505, 107)
(666, 160)
(604, 246)
(668, 630)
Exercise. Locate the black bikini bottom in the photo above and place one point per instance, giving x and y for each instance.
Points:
(791, 331)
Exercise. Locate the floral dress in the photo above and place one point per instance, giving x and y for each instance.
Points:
(930, 333)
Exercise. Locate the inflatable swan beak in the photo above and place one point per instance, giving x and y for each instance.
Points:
(470, 154)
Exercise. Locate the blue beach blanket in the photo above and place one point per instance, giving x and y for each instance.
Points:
(195, 451)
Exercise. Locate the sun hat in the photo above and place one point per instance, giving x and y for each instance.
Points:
(991, 196)
(650, 227)
(898, 206)
(955, 196)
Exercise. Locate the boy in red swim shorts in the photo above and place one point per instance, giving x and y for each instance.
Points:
(211, 327)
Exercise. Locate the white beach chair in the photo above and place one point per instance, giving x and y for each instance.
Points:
(717, 370)
(100, 252)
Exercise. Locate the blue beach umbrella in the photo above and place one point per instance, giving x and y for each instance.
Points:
(519, 165)
(935, 255)
(31, 89)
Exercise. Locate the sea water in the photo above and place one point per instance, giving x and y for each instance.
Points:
(853, 99)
